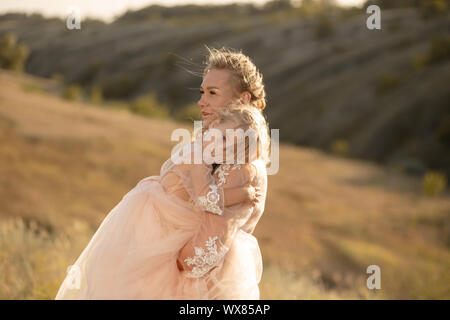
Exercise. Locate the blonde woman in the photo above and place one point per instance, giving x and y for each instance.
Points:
(186, 234)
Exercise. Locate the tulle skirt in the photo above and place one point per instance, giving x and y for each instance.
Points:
(133, 254)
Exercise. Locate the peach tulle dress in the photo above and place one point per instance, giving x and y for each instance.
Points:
(176, 219)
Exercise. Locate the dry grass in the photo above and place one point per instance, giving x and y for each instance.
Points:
(33, 261)
(64, 165)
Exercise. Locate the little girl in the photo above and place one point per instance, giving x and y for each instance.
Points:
(230, 195)
(233, 116)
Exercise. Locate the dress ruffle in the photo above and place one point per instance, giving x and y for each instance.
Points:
(133, 254)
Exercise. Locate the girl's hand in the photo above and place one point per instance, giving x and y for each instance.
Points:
(252, 193)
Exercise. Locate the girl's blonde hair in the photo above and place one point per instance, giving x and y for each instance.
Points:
(246, 117)
(244, 74)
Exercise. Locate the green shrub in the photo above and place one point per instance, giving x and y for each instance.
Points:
(419, 62)
(12, 54)
(119, 87)
(388, 82)
(118, 105)
(433, 8)
(72, 92)
(148, 105)
(323, 27)
(311, 8)
(394, 26)
(340, 147)
(58, 77)
(90, 73)
(189, 113)
(434, 183)
(168, 62)
(439, 49)
(443, 130)
(32, 87)
(96, 95)
(337, 48)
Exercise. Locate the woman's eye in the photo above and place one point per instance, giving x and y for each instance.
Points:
(211, 92)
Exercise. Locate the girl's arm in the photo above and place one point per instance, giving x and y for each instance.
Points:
(209, 245)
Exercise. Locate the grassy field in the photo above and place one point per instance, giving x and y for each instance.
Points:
(64, 165)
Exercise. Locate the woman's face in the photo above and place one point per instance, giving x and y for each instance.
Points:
(216, 91)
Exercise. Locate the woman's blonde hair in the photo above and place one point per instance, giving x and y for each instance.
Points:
(246, 117)
(243, 71)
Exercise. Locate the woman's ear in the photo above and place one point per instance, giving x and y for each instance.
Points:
(245, 97)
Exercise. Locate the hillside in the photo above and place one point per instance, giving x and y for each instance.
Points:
(65, 165)
(328, 78)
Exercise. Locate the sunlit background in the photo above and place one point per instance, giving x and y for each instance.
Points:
(108, 9)
(363, 115)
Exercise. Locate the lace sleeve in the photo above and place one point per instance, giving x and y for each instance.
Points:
(208, 194)
(208, 247)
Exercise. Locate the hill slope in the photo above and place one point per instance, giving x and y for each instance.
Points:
(328, 77)
(64, 165)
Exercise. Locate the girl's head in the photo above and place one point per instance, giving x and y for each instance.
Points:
(230, 76)
(245, 117)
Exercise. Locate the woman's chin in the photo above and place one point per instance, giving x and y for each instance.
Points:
(205, 121)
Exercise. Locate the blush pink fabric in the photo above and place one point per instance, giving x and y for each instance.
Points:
(134, 252)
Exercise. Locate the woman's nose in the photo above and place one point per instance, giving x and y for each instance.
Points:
(201, 104)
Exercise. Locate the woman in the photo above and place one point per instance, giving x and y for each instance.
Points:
(184, 234)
